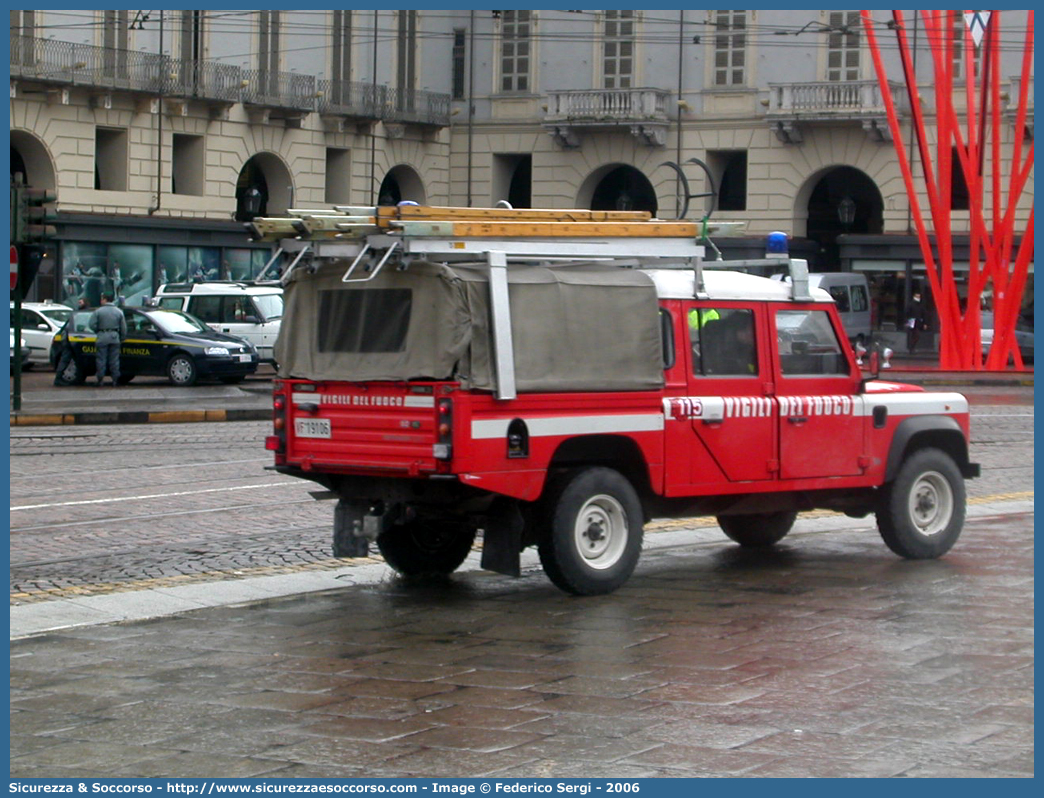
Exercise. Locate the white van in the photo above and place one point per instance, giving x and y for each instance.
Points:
(851, 294)
(252, 311)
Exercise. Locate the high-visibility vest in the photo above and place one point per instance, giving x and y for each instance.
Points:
(700, 316)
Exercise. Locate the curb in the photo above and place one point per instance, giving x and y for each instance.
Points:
(139, 417)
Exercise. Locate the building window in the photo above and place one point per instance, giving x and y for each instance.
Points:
(960, 36)
(959, 198)
(115, 25)
(730, 47)
(23, 30)
(843, 46)
(191, 48)
(459, 62)
(341, 53)
(730, 166)
(268, 52)
(338, 176)
(110, 159)
(187, 165)
(618, 49)
(515, 30)
(406, 73)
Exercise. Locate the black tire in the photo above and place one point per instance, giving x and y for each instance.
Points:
(921, 513)
(422, 547)
(233, 380)
(758, 530)
(594, 535)
(181, 370)
(125, 379)
(74, 374)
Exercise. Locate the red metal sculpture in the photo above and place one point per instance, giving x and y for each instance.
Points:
(977, 144)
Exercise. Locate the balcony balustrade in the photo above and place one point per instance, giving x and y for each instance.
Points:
(792, 105)
(1011, 106)
(71, 64)
(415, 107)
(350, 99)
(644, 111)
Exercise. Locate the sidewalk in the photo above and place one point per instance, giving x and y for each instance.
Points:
(46, 405)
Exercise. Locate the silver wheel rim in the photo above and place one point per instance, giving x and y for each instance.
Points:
(931, 503)
(600, 532)
(181, 370)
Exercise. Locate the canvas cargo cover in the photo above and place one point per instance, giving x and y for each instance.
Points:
(574, 328)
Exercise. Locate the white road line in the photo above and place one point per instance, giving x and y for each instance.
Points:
(155, 496)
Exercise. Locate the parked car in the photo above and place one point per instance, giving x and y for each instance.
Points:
(163, 343)
(25, 354)
(1023, 337)
(40, 321)
(252, 311)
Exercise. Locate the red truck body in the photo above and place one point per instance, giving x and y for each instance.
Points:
(421, 465)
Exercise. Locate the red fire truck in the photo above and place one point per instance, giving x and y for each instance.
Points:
(558, 378)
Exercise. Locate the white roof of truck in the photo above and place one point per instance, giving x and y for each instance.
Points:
(725, 285)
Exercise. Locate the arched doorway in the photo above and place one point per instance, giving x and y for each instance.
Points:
(401, 183)
(265, 187)
(617, 187)
(29, 157)
(842, 200)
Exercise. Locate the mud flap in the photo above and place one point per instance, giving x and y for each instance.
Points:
(349, 539)
(502, 538)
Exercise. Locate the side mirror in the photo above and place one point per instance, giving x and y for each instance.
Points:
(43, 326)
(251, 320)
(875, 364)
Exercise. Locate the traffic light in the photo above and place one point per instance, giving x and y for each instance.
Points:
(36, 227)
(18, 213)
(29, 264)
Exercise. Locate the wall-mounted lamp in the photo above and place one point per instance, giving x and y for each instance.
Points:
(846, 210)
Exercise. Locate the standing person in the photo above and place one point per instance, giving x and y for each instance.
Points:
(111, 327)
(915, 322)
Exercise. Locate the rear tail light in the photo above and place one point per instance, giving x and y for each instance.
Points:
(277, 443)
(443, 450)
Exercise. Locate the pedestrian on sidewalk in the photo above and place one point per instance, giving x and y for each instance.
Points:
(915, 322)
(111, 327)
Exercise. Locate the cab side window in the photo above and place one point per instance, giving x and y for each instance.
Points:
(723, 342)
(171, 303)
(808, 346)
(206, 308)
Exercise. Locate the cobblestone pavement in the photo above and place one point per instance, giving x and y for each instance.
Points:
(825, 657)
(99, 509)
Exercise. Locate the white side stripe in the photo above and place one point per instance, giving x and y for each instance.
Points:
(569, 425)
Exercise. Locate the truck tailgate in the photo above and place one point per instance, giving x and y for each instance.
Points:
(383, 426)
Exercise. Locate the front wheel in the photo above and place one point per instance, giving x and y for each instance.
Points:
(921, 514)
(181, 370)
(72, 374)
(757, 530)
(421, 547)
(595, 534)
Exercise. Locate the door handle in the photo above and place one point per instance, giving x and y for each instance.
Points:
(797, 419)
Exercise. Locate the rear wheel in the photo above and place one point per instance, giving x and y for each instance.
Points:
(921, 514)
(595, 532)
(425, 547)
(181, 370)
(125, 379)
(758, 530)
